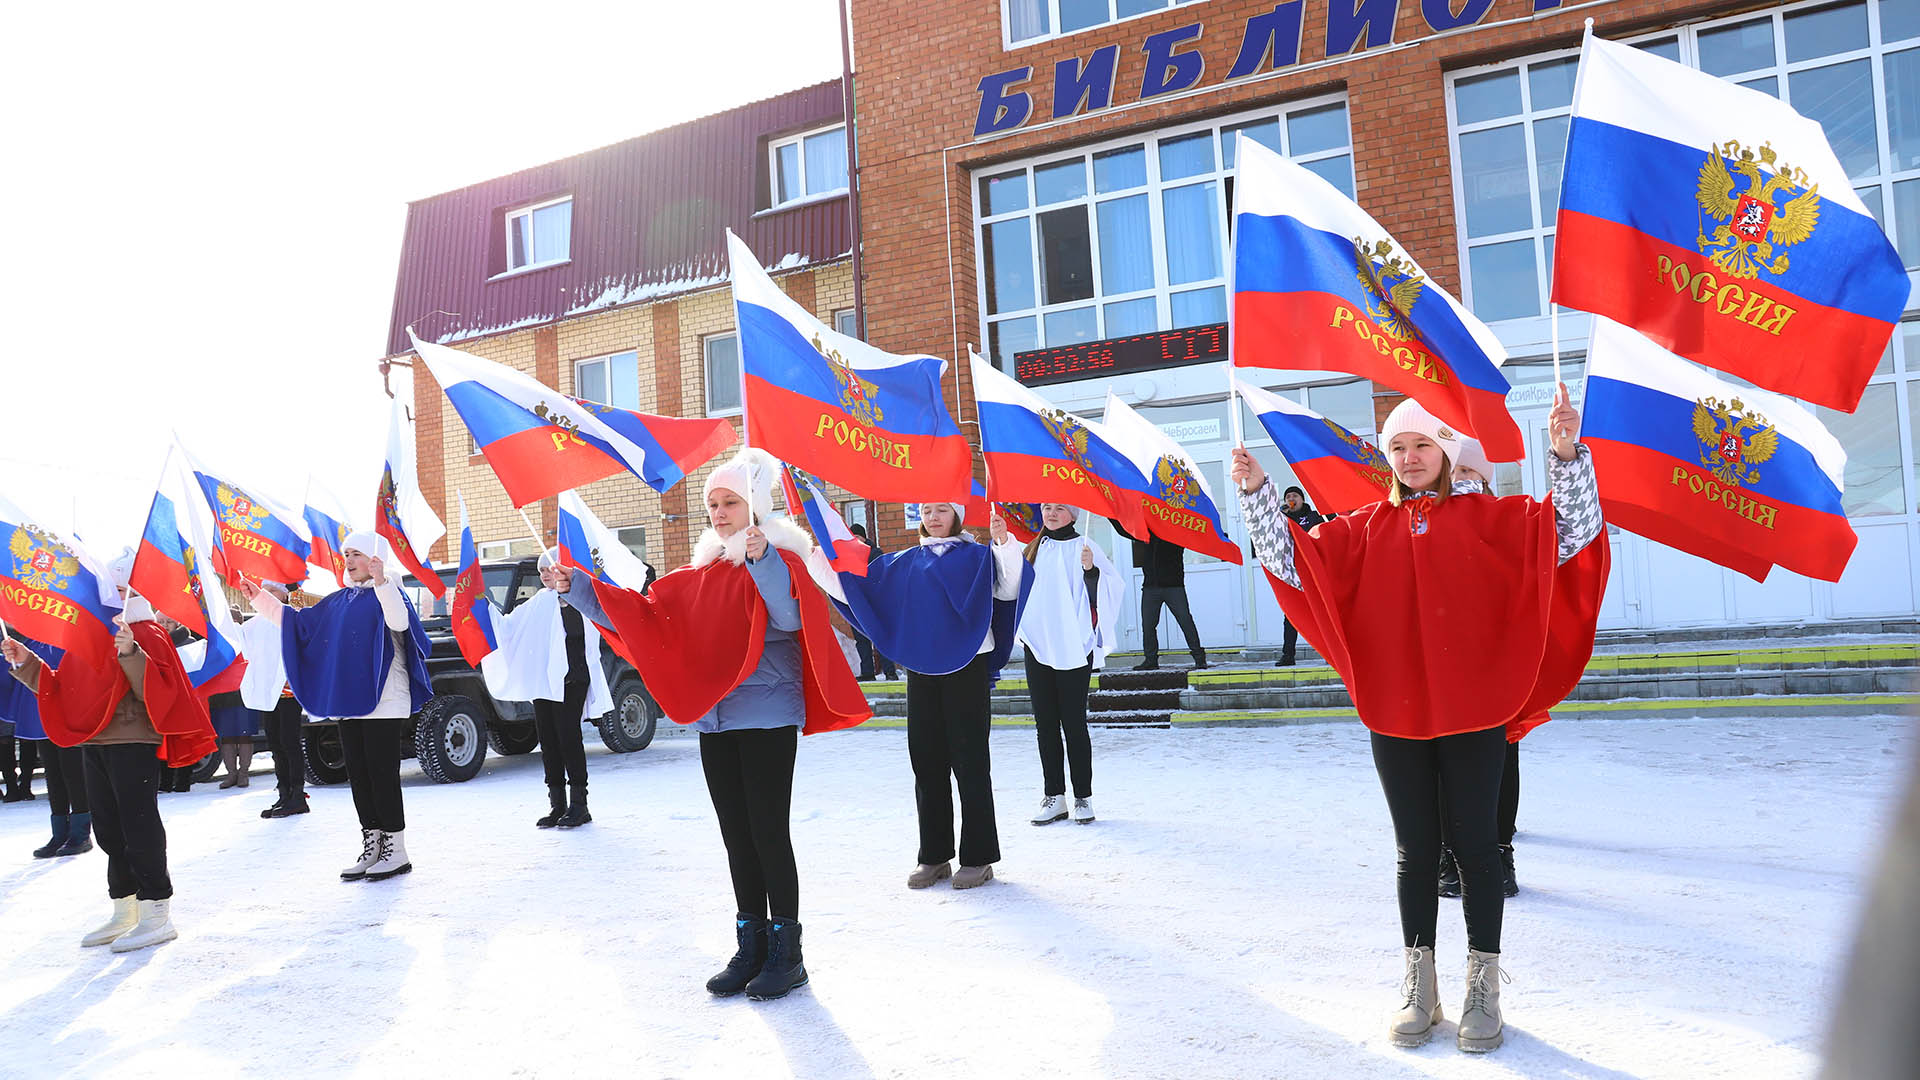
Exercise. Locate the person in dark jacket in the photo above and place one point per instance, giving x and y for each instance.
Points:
(1163, 581)
(1300, 510)
(871, 662)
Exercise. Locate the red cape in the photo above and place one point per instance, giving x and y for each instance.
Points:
(1469, 626)
(697, 634)
(77, 699)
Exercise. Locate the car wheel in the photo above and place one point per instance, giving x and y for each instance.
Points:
(631, 724)
(450, 739)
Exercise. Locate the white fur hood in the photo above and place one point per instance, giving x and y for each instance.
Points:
(780, 532)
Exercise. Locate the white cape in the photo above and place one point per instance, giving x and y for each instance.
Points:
(266, 674)
(1057, 624)
(529, 661)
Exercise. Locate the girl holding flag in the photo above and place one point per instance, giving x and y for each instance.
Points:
(1454, 618)
(946, 611)
(739, 644)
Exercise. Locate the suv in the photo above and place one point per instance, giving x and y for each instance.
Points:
(451, 733)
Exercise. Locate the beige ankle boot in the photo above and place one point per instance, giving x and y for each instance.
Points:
(1420, 1007)
(1481, 1028)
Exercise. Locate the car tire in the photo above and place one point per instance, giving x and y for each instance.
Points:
(207, 766)
(635, 717)
(325, 760)
(450, 739)
(511, 739)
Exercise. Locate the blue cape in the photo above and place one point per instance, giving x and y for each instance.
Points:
(18, 705)
(338, 652)
(929, 613)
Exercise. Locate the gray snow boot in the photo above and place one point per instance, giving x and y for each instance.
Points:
(1420, 1001)
(1481, 1028)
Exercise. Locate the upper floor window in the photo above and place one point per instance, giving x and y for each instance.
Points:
(1036, 20)
(847, 322)
(808, 165)
(539, 234)
(723, 373)
(610, 380)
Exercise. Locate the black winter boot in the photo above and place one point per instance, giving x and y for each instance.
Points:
(1507, 883)
(557, 803)
(1450, 875)
(577, 813)
(79, 835)
(751, 932)
(52, 847)
(784, 969)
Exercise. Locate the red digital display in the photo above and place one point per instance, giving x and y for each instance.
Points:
(1116, 356)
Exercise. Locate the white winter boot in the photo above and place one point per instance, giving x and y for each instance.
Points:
(1052, 809)
(1420, 1001)
(369, 854)
(393, 857)
(1481, 1028)
(154, 927)
(126, 912)
(1082, 811)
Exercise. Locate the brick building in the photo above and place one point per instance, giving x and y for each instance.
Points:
(1050, 181)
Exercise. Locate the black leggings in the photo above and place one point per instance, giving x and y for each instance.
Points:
(66, 779)
(750, 778)
(1411, 773)
(1060, 714)
(1509, 801)
(124, 782)
(372, 749)
(289, 751)
(948, 720)
(563, 750)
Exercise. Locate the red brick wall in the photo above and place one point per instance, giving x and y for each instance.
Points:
(429, 468)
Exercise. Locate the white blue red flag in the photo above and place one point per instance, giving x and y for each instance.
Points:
(256, 537)
(1178, 502)
(845, 552)
(1338, 469)
(1717, 221)
(1319, 285)
(401, 514)
(327, 532)
(1037, 452)
(1741, 477)
(1023, 520)
(471, 611)
(541, 442)
(53, 591)
(870, 421)
(173, 570)
(587, 544)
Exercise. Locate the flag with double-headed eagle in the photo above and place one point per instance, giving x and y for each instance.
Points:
(327, 531)
(401, 514)
(51, 589)
(1023, 520)
(173, 570)
(586, 543)
(1338, 469)
(872, 422)
(1737, 476)
(1717, 221)
(1177, 499)
(471, 610)
(257, 537)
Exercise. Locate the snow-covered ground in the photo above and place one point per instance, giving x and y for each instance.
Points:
(1689, 894)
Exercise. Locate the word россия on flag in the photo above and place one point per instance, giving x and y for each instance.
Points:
(1038, 453)
(1178, 503)
(541, 442)
(173, 571)
(1737, 476)
(401, 514)
(327, 529)
(53, 591)
(872, 422)
(587, 544)
(1318, 285)
(845, 552)
(1340, 470)
(1717, 221)
(256, 537)
(471, 611)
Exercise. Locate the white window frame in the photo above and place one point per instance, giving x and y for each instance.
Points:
(535, 262)
(607, 360)
(495, 550)
(1053, 20)
(799, 141)
(1162, 290)
(846, 321)
(706, 369)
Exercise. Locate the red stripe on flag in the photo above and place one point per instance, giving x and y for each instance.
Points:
(164, 583)
(1190, 530)
(832, 445)
(1340, 485)
(47, 616)
(256, 557)
(539, 462)
(691, 443)
(1020, 478)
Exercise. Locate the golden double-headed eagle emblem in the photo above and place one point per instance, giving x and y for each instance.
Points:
(237, 509)
(390, 511)
(1391, 286)
(1724, 451)
(1178, 486)
(1363, 451)
(1752, 221)
(40, 560)
(857, 394)
(1070, 433)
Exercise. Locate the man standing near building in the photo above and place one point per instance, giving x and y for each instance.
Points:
(1163, 581)
(1302, 512)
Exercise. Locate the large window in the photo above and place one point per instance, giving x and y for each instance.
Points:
(722, 353)
(1024, 21)
(1854, 67)
(810, 165)
(539, 234)
(1879, 451)
(1131, 236)
(610, 380)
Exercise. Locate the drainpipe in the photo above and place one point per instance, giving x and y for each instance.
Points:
(853, 173)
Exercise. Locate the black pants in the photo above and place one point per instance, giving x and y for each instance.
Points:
(9, 760)
(372, 749)
(869, 657)
(1413, 773)
(563, 749)
(284, 741)
(750, 778)
(66, 779)
(30, 753)
(948, 720)
(1060, 714)
(1289, 637)
(1175, 599)
(123, 780)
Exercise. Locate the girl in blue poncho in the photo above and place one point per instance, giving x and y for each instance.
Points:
(945, 611)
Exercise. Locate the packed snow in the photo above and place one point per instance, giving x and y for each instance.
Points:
(1689, 893)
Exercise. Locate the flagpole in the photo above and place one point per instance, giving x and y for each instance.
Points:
(740, 344)
(1233, 388)
(1553, 309)
(538, 541)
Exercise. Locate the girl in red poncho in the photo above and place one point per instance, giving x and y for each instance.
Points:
(1450, 615)
(739, 644)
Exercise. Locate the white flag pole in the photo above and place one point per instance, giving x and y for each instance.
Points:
(538, 540)
(740, 344)
(1233, 388)
(1553, 309)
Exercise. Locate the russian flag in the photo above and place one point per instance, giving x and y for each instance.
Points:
(1741, 477)
(173, 571)
(1318, 284)
(872, 422)
(256, 538)
(1340, 470)
(1179, 504)
(586, 544)
(327, 530)
(1023, 520)
(541, 442)
(53, 591)
(472, 609)
(1718, 222)
(401, 513)
(845, 552)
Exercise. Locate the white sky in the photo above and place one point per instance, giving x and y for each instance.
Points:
(205, 205)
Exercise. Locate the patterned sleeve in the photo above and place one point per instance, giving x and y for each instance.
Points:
(1267, 528)
(1576, 501)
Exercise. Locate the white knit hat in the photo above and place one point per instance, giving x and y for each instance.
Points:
(549, 558)
(1410, 415)
(137, 610)
(959, 511)
(121, 568)
(366, 542)
(749, 474)
(1474, 456)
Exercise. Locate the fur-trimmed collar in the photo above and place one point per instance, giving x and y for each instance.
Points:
(780, 532)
